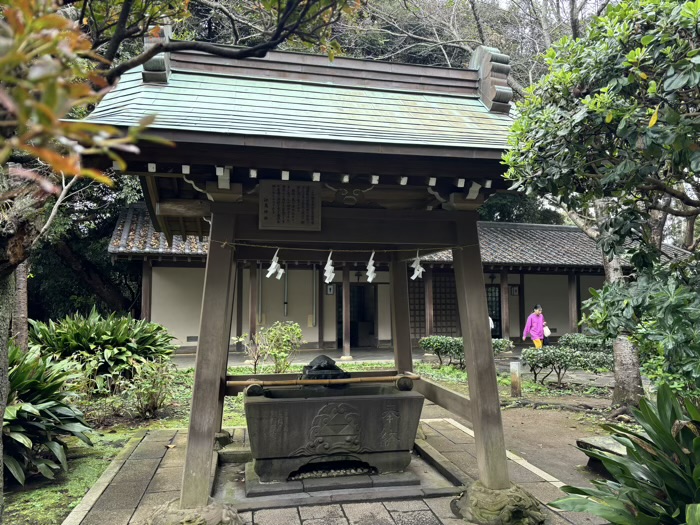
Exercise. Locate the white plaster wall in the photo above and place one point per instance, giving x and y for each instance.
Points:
(177, 301)
(552, 292)
(299, 299)
(383, 312)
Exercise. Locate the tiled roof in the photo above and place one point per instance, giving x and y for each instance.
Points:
(204, 102)
(502, 244)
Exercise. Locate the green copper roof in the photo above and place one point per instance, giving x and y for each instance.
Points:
(198, 101)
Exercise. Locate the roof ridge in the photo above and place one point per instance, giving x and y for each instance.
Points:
(528, 226)
(470, 96)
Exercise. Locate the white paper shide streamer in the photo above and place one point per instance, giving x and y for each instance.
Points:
(417, 268)
(275, 267)
(371, 269)
(328, 270)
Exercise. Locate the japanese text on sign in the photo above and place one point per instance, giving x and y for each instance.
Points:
(286, 205)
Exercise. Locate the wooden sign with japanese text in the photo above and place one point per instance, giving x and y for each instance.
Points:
(287, 205)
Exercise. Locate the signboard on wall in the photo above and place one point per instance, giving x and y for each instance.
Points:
(288, 205)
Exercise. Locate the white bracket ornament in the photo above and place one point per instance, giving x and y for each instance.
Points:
(371, 273)
(275, 268)
(328, 270)
(417, 268)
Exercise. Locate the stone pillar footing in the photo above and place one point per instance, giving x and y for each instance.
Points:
(512, 506)
(213, 514)
(346, 358)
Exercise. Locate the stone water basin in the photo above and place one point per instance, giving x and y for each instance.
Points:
(300, 429)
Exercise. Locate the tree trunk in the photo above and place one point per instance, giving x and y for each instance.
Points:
(657, 223)
(20, 328)
(7, 289)
(689, 233)
(92, 277)
(628, 379)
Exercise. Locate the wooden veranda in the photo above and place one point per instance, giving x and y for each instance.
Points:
(297, 154)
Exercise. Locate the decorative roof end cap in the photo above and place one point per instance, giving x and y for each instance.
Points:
(157, 69)
(493, 68)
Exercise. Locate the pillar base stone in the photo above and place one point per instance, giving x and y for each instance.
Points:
(513, 506)
(346, 358)
(213, 514)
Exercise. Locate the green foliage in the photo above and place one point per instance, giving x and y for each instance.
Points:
(107, 348)
(585, 343)
(450, 349)
(658, 481)
(280, 342)
(518, 207)
(150, 389)
(616, 118)
(38, 415)
(502, 345)
(548, 360)
(661, 311)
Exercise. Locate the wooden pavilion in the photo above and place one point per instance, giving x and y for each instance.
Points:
(297, 153)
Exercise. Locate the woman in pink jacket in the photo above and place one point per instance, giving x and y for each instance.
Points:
(535, 326)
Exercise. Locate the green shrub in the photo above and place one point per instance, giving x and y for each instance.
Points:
(150, 389)
(502, 345)
(585, 343)
(280, 342)
(448, 350)
(38, 414)
(595, 362)
(107, 347)
(550, 359)
(657, 482)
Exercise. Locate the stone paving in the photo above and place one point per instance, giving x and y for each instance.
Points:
(148, 473)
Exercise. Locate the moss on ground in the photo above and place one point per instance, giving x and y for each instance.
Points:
(48, 502)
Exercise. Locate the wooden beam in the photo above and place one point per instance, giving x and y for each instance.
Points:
(183, 208)
(320, 296)
(146, 290)
(346, 314)
(354, 228)
(253, 300)
(573, 303)
(505, 306)
(478, 351)
(400, 315)
(521, 304)
(429, 308)
(212, 352)
(456, 403)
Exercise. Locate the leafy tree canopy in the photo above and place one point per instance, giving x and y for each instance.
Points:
(518, 207)
(616, 118)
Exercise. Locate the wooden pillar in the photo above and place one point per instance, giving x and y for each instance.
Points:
(521, 304)
(578, 296)
(573, 304)
(212, 351)
(239, 305)
(481, 369)
(346, 314)
(146, 290)
(253, 301)
(505, 306)
(321, 293)
(400, 315)
(428, 283)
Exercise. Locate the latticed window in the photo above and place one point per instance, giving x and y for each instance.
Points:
(445, 313)
(493, 299)
(416, 304)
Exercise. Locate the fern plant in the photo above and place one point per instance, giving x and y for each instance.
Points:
(39, 415)
(108, 348)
